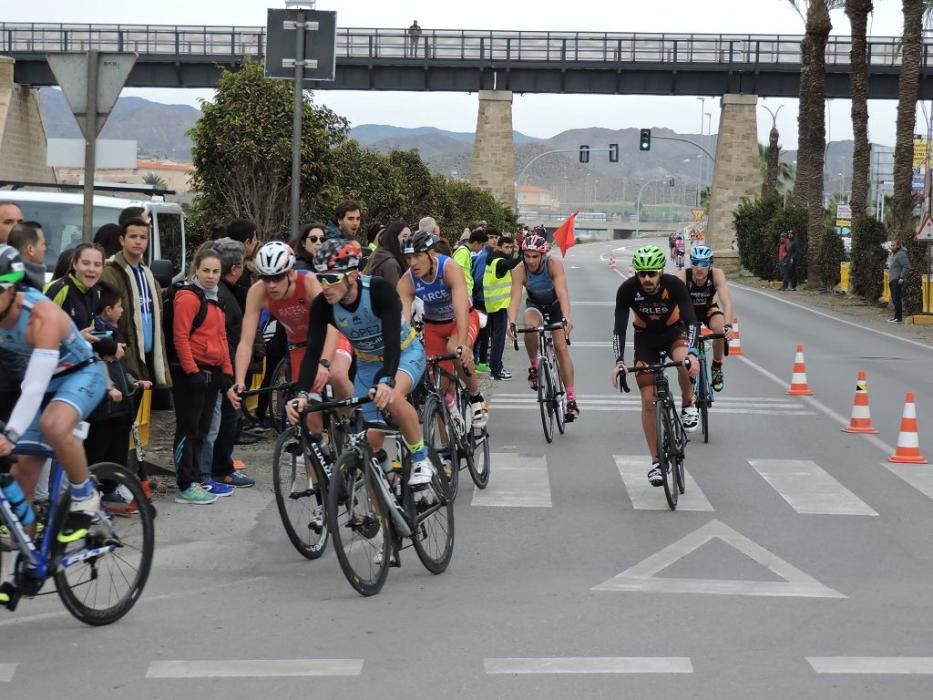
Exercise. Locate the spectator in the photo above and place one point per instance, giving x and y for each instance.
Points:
(348, 217)
(203, 370)
(131, 213)
(388, 262)
(10, 215)
(108, 237)
(29, 239)
(790, 263)
(480, 260)
(247, 233)
(442, 246)
(464, 252)
(898, 267)
(497, 284)
(429, 224)
(372, 235)
(78, 295)
(306, 245)
(414, 35)
(782, 253)
(63, 264)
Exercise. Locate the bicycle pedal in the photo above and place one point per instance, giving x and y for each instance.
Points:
(9, 596)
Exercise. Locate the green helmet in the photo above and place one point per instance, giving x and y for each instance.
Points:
(648, 258)
(12, 269)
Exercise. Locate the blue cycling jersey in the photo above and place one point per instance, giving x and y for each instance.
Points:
(362, 327)
(436, 295)
(539, 284)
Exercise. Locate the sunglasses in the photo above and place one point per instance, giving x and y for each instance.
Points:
(704, 263)
(648, 273)
(315, 239)
(329, 279)
(273, 278)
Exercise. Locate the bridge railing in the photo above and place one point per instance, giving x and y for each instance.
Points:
(448, 45)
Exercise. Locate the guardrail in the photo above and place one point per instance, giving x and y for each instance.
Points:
(449, 45)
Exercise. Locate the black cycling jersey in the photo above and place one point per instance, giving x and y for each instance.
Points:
(701, 295)
(655, 314)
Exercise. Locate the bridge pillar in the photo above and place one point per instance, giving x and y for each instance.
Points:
(493, 166)
(22, 135)
(736, 174)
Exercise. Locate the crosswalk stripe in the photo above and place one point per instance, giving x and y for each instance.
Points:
(590, 664)
(255, 668)
(809, 489)
(644, 496)
(520, 482)
(875, 665)
(632, 401)
(920, 477)
(6, 672)
(623, 397)
(501, 406)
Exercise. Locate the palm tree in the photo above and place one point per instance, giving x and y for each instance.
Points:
(857, 12)
(784, 172)
(157, 180)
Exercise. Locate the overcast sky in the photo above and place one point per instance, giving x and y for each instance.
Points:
(536, 115)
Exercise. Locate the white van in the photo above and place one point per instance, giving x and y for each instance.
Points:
(60, 215)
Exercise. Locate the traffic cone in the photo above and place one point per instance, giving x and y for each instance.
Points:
(798, 382)
(861, 417)
(908, 441)
(735, 345)
(612, 263)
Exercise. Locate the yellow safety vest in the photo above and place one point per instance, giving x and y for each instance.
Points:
(497, 291)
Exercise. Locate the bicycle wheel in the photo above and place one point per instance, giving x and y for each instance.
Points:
(300, 494)
(480, 463)
(281, 375)
(666, 453)
(359, 525)
(99, 590)
(702, 400)
(680, 446)
(432, 523)
(560, 397)
(544, 399)
(434, 419)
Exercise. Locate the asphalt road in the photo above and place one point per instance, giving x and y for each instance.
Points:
(799, 565)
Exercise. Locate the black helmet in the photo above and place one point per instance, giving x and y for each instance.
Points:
(418, 242)
(14, 271)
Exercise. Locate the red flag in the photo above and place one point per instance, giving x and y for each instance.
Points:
(564, 234)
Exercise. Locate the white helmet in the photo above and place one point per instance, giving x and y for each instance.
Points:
(274, 258)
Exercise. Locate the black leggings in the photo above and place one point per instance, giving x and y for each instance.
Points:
(194, 410)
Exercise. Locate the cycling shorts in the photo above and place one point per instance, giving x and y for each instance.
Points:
(343, 346)
(711, 310)
(437, 335)
(551, 313)
(649, 347)
(412, 362)
(82, 390)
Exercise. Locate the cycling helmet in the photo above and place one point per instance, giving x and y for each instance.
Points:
(12, 269)
(337, 255)
(701, 254)
(649, 257)
(535, 243)
(418, 242)
(274, 258)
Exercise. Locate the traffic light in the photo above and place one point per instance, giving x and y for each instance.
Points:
(671, 182)
(613, 153)
(584, 154)
(644, 140)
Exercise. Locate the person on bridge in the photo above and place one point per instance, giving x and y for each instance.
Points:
(705, 283)
(414, 34)
(545, 281)
(664, 322)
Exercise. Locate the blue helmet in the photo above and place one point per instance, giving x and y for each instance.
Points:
(700, 255)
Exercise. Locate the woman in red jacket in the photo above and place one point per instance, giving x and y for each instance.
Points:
(203, 370)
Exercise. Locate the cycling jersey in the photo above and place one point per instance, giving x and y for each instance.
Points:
(702, 295)
(436, 294)
(679, 244)
(666, 311)
(539, 285)
(292, 311)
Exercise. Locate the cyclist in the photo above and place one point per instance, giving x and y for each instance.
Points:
(450, 322)
(390, 358)
(545, 281)
(672, 244)
(44, 351)
(705, 283)
(288, 295)
(664, 321)
(680, 247)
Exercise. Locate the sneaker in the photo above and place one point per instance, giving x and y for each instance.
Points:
(316, 523)
(218, 489)
(533, 378)
(656, 474)
(718, 380)
(479, 415)
(117, 503)
(504, 374)
(195, 495)
(482, 367)
(422, 471)
(690, 418)
(239, 464)
(572, 412)
(87, 506)
(898, 320)
(238, 479)
(245, 438)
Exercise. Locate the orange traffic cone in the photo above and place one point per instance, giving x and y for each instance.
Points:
(861, 416)
(908, 441)
(735, 345)
(798, 382)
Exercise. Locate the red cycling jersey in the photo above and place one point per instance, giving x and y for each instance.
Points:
(292, 312)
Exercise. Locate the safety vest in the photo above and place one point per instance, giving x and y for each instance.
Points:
(497, 290)
(464, 259)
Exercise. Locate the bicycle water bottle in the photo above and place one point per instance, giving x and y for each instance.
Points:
(454, 411)
(17, 498)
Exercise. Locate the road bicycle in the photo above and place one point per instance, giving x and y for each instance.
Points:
(450, 432)
(100, 570)
(552, 397)
(703, 384)
(672, 439)
(370, 512)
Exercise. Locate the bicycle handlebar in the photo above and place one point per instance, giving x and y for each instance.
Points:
(655, 369)
(269, 389)
(437, 359)
(316, 407)
(561, 325)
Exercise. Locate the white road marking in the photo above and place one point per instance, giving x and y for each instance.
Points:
(521, 482)
(644, 496)
(808, 488)
(615, 397)
(592, 344)
(252, 668)
(590, 664)
(6, 672)
(642, 576)
(593, 303)
(920, 476)
(533, 406)
(874, 665)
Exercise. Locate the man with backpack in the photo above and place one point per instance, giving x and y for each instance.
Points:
(478, 268)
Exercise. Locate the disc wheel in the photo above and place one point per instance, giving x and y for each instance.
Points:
(480, 464)
(432, 520)
(544, 401)
(300, 495)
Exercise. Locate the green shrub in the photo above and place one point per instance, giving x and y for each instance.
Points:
(791, 218)
(832, 253)
(757, 250)
(866, 272)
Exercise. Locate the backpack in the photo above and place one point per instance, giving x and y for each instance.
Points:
(168, 316)
(478, 269)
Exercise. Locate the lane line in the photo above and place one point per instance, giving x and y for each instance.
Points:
(920, 476)
(521, 482)
(644, 496)
(874, 665)
(505, 406)
(6, 672)
(809, 489)
(790, 401)
(591, 664)
(253, 668)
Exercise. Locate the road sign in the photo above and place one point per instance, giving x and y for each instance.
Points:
(925, 232)
(921, 148)
(320, 45)
(110, 153)
(71, 72)
(698, 214)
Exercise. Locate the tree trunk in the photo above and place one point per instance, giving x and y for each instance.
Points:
(819, 25)
(801, 180)
(902, 204)
(773, 160)
(858, 11)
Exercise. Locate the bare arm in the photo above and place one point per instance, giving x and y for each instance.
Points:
(255, 300)
(722, 290)
(560, 287)
(518, 284)
(453, 276)
(406, 292)
(312, 286)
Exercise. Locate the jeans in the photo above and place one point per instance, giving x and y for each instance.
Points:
(790, 276)
(194, 412)
(896, 299)
(206, 459)
(498, 321)
(226, 439)
(481, 348)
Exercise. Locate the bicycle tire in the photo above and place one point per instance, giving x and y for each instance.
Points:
(665, 453)
(280, 375)
(544, 400)
(480, 467)
(296, 497)
(70, 583)
(560, 398)
(680, 447)
(703, 400)
(432, 525)
(359, 540)
(433, 412)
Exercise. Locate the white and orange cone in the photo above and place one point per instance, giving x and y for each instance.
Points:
(798, 382)
(612, 263)
(861, 415)
(908, 441)
(735, 345)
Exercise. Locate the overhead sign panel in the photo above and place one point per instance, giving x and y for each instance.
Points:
(320, 48)
(110, 154)
(71, 73)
